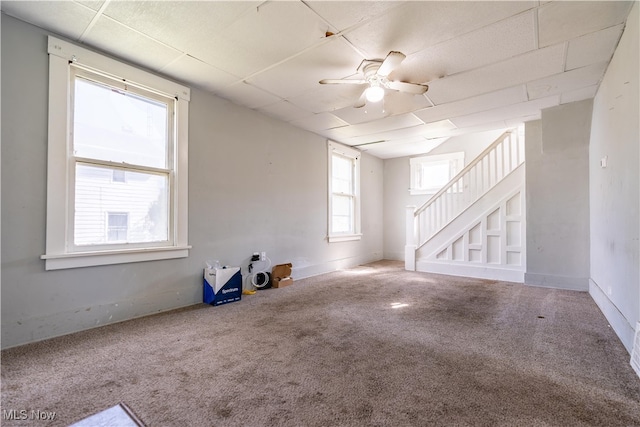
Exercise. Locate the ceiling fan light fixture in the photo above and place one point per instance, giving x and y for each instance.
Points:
(374, 93)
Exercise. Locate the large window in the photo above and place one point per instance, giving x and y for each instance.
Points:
(344, 193)
(122, 134)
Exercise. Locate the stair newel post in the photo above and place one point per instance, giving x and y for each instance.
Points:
(410, 242)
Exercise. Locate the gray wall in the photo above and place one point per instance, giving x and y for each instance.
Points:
(255, 184)
(557, 188)
(614, 194)
(397, 183)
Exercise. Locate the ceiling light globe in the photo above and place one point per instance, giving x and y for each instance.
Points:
(374, 94)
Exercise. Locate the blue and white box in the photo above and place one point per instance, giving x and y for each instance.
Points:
(222, 285)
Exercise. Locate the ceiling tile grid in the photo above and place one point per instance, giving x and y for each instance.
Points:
(285, 111)
(320, 121)
(487, 63)
(343, 15)
(564, 20)
(503, 40)
(201, 74)
(521, 69)
(567, 81)
(513, 111)
(594, 47)
(332, 58)
(109, 35)
(487, 101)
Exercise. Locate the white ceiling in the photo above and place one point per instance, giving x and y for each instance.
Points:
(488, 65)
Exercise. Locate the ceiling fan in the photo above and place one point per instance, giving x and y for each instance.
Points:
(376, 75)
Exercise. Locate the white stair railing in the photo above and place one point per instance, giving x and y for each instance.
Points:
(497, 161)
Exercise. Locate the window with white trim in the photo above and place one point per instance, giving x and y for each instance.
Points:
(122, 134)
(344, 193)
(430, 173)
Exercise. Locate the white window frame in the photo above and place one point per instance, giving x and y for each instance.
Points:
(455, 161)
(59, 249)
(354, 155)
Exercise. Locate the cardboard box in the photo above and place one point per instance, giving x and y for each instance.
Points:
(281, 275)
(222, 285)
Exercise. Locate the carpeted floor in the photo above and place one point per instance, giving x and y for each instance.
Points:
(369, 346)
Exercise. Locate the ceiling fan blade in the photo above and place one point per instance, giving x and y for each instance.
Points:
(392, 60)
(415, 88)
(343, 81)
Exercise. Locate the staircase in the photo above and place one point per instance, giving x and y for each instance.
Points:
(475, 225)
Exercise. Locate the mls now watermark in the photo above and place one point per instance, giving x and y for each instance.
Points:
(24, 414)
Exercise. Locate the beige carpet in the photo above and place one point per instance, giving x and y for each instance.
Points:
(370, 346)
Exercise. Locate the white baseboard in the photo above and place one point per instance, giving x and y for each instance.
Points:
(616, 319)
(394, 256)
(467, 270)
(302, 272)
(557, 282)
(635, 353)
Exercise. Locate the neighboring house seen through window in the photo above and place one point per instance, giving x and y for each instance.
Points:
(117, 226)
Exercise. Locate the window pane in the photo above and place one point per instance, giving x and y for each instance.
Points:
(134, 211)
(117, 126)
(435, 175)
(118, 225)
(342, 215)
(342, 179)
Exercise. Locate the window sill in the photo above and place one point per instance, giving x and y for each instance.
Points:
(344, 238)
(91, 259)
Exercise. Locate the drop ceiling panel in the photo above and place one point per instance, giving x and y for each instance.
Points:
(400, 103)
(566, 82)
(564, 20)
(502, 40)
(65, 18)
(333, 59)
(593, 48)
(524, 68)
(276, 30)
(285, 111)
(416, 25)
(368, 113)
(94, 5)
(205, 76)
(182, 25)
(487, 101)
(327, 98)
(579, 94)
(344, 14)
(432, 130)
(402, 148)
(318, 122)
(382, 125)
(113, 37)
(479, 58)
(331, 134)
(247, 95)
(393, 104)
(228, 55)
(510, 112)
